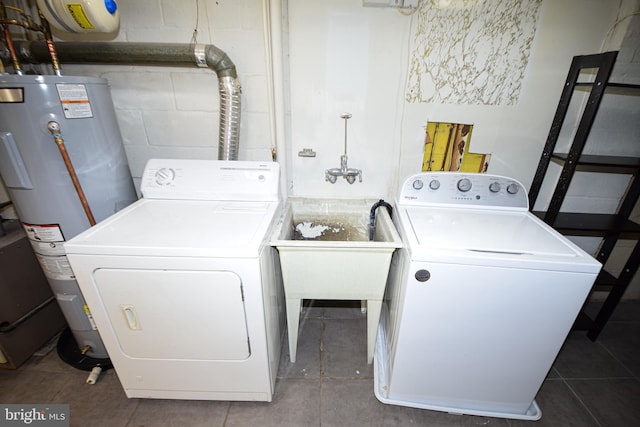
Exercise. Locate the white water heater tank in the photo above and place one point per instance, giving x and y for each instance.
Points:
(81, 16)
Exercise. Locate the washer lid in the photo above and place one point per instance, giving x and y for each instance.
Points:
(485, 232)
(152, 227)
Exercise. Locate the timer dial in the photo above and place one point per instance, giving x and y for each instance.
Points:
(464, 185)
(165, 176)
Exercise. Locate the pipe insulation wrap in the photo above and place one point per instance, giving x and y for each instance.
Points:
(154, 54)
(93, 376)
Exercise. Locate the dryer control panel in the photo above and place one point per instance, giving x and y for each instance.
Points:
(183, 179)
(463, 189)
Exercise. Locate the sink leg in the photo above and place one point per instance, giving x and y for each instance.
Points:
(373, 316)
(293, 317)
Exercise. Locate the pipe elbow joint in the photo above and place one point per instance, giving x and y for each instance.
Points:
(220, 62)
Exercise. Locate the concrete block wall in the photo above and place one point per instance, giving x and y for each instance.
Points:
(172, 112)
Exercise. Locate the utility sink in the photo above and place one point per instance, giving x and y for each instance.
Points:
(325, 253)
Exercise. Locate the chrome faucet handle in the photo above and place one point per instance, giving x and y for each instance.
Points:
(351, 176)
(343, 163)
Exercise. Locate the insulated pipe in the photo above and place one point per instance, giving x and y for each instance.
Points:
(157, 54)
(93, 376)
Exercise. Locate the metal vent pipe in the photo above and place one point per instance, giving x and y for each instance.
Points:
(155, 54)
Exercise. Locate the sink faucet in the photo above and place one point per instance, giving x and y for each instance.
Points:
(344, 171)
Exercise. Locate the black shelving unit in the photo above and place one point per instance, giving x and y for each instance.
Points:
(610, 227)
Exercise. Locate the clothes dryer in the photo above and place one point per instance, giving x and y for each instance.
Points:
(480, 299)
(183, 286)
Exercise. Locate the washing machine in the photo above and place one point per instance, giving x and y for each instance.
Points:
(182, 284)
(480, 300)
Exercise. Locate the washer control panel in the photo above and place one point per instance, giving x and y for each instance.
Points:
(210, 180)
(472, 189)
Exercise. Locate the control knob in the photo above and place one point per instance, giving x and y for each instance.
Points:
(464, 185)
(164, 176)
(434, 184)
(417, 184)
(494, 187)
(513, 188)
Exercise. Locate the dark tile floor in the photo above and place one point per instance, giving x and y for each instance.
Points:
(591, 384)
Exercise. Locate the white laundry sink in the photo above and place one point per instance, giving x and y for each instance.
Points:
(325, 253)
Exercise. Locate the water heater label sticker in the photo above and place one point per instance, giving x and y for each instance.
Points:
(90, 317)
(56, 267)
(48, 248)
(43, 232)
(74, 100)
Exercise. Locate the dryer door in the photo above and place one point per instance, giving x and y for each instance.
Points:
(175, 314)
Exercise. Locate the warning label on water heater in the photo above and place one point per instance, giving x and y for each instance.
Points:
(56, 267)
(43, 232)
(48, 244)
(74, 100)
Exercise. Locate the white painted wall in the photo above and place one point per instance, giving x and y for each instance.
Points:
(386, 133)
(346, 58)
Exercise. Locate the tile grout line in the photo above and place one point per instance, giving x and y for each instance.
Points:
(133, 413)
(632, 375)
(584, 405)
(226, 415)
(321, 351)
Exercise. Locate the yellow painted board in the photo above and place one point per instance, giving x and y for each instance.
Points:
(447, 149)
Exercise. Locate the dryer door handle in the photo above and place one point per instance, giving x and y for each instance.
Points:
(130, 317)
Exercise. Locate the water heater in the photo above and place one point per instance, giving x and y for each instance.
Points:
(40, 183)
(81, 16)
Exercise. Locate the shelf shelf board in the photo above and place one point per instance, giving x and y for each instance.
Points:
(614, 88)
(589, 224)
(602, 163)
(604, 282)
